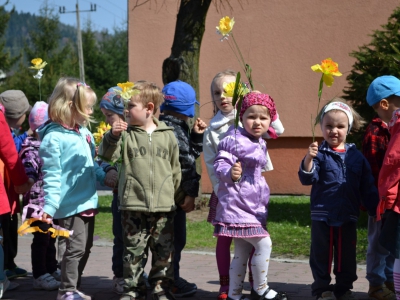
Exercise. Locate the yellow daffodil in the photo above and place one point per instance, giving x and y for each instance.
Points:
(225, 26)
(229, 89)
(38, 64)
(101, 129)
(126, 91)
(328, 68)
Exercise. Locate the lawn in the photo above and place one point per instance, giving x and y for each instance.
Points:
(288, 223)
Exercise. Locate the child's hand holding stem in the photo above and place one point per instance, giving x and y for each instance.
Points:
(308, 160)
(236, 171)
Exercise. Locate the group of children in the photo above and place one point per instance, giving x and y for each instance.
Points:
(151, 165)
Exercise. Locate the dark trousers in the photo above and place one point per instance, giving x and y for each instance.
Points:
(179, 238)
(338, 243)
(118, 247)
(9, 224)
(43, 254)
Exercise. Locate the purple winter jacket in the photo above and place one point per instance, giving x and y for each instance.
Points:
(246, 201)
(33, 167)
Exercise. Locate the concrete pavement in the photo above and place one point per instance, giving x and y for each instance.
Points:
(291, 276)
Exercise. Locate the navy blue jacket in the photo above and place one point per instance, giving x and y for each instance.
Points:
(339, 188)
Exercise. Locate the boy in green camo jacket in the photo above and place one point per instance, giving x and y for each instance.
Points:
(150, 174)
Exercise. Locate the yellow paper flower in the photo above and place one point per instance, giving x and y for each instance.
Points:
(101, 129)
(126, 91)
(329, 69)
(229, 89)
(225, 26)
(38, 64)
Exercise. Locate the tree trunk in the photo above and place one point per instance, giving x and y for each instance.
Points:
(183, 63)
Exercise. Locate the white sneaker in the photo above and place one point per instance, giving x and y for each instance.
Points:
(46, 282)
(57, 274)
(118, 285)
(7, 285)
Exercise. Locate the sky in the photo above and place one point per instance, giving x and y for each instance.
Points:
(108, 15)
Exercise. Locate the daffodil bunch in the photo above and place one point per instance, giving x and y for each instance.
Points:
(225, 29)
(126, 91)
(38, 64)
(101, 130)
(328, 68)
(237, 90)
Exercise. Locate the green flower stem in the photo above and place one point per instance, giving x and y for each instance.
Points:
(240, 53)
(321, 85)
(40, 92)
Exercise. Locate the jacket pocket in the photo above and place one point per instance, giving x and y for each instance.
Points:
(165, 197)
(328, 173)
(133, 192)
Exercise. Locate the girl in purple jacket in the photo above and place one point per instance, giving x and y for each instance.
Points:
(244, 195)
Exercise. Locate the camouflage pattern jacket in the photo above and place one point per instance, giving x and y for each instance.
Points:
(190, 146)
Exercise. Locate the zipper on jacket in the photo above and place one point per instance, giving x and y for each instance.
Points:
(151, 204)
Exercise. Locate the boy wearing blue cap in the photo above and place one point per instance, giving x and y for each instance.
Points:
(383, 96)
(178, 107)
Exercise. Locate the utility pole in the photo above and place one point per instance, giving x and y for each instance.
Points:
(79, 36)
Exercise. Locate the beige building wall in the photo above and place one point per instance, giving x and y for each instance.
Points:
(280, 40)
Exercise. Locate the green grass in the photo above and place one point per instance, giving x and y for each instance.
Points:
(288, 223)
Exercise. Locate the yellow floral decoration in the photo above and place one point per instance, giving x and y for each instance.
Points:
(126, 91)
(38, 64)
(101, 129)
(229, 89)
(225, 26)
(328, 68)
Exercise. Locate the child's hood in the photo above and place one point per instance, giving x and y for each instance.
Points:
(220, 120)
(50, 127)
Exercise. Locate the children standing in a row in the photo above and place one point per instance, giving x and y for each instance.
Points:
(224, 117)
(68, 151)
(178, 107)
(341, 181)
(149, 177)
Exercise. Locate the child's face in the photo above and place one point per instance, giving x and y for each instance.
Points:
(111, 116)
(223, 103)
(256, 120)
(87, 109)
(16, 123)
(335, 125)
(137, 113)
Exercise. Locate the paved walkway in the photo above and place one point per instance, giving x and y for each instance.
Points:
(294, 277)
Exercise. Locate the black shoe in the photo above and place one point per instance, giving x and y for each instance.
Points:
(182, 288)
(278, 296)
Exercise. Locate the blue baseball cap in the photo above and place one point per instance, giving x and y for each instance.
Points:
(383, 87)
(112, 101)
(179, 97)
